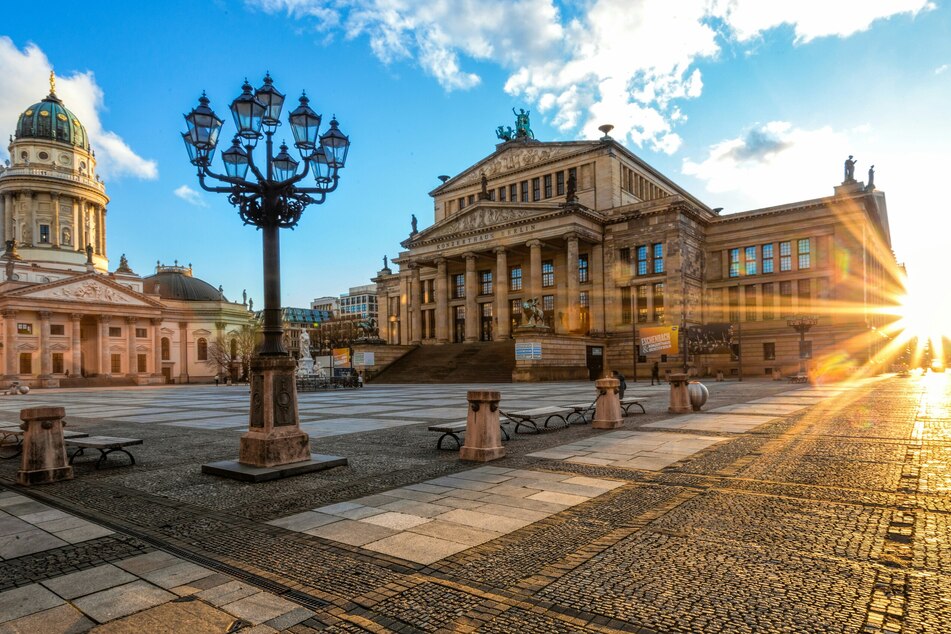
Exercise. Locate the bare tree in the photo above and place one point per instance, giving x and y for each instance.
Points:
(231, 353)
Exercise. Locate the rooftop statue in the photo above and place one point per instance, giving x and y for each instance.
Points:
(849, 170)
(522, 129)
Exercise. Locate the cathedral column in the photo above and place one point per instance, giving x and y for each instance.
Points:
(105, 361)
(12, 217)
(156, 345)
(46, 358)
(502, 305)
(472, 307)
(77, 345)
(183, 351)
(102, 231)
(404, 307)
(416, 313)
(31, 218)
(10, 343)
(442, 301)
(54, 239)
(573, 285)
(598, 282)
(534, 269)
(133, 359)
(77, 225)
(7, 217)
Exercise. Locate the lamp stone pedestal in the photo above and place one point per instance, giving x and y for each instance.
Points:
(607, 411)
(274, 445)
(44, 451)
(483, 436)
(679, 398)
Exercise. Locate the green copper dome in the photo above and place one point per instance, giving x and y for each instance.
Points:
(49, 119)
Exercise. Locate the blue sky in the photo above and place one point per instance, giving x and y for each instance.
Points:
(789, 88)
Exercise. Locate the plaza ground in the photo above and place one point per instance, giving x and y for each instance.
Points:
(779, 508)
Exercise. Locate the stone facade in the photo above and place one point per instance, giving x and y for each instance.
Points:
(632, 249)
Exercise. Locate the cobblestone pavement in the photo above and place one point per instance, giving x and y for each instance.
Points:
(831, 518)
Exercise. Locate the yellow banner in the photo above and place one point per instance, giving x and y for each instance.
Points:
(341, 357)
(659, 340)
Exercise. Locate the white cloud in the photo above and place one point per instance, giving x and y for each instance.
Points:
(774, 162)
(26, 75)
(624, 62)
(190, 196)
(811, 19)
(941, 69)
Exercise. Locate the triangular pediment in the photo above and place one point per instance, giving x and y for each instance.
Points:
(87, 289)
(477, 218)
(515, 156)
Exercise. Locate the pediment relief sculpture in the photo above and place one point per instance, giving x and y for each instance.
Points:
(88, 291)
(476, 220)
(513, 160)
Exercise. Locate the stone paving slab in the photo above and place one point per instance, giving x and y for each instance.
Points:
(760, 409)
(728, 423)
(429, 529)
(630, 449)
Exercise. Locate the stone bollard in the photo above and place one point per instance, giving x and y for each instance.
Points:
(44, 451)
(607, 411)
(679, 399)
(483, 436)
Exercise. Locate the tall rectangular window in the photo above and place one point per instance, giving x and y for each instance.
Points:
(767, 258)
(547, 185)
(751, 302)
(536, 189)
(524, 185)
(462, 202)
(141, 361)
(58, 364)
(658, 257)
(625, 304)
(502, 194)
(805, 253)
(642, 260)
(785, 256)
(583, 268)
(584, 314)
(548, 273)
(515, 278)
(658, 301)
(733, 294)
(559, 183)
(513, 192)
(734, 262)
(624, 260)
(548, 308)
(785, 297)
(44, 234)
(116, 363)
(749, 255)
(459, 286)
(642, 303)
(26, 363)
(769, 351)
(485, 282)
(768, 300)
(516, 312)
(803, 293)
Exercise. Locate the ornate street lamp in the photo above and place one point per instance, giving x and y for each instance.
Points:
(272, 198)
(802, 324)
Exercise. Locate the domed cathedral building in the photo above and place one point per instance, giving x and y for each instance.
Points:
(68, 320)
(582, 253)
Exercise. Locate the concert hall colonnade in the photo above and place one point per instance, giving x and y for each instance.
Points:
(623, 253)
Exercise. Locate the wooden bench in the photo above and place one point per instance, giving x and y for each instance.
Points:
(629, 401)
(455, 431)
(581, 413)
(12, 437)
(799, 378)
(105, 444)
(528, 417)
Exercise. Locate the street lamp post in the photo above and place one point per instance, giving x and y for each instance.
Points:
(272, 198)
(802, 324)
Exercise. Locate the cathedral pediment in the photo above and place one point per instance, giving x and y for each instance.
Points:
(88, 289)
(516, 156)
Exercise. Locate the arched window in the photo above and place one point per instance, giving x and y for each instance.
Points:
(234, 348)
(166, 349)
(202, 349)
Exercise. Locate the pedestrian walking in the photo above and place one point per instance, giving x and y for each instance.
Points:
(655, 373)
(623, 383)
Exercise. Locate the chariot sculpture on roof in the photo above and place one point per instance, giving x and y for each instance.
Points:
(523, 129)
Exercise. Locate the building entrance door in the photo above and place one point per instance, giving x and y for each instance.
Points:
(89, 338)
(459, 324)
(595, 361)
(167, 373)
(485, 321)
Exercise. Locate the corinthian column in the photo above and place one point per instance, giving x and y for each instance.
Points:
(573, 283)
(105, 362)
(46, 359)
(77, 345)
(156, 345)
(54, 239)
(534, 269)
(442, 302)
(133, 359)
(10, 344)
(472, 308)
(502, 306)
(416, 311)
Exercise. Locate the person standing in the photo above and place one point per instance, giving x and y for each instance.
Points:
(655, 373)
(623, 383)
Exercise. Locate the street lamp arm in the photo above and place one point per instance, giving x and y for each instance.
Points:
(254, 168)
(235, 182)
(321, 190)
(215, 190)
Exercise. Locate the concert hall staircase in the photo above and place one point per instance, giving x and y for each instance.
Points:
(483, 362)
